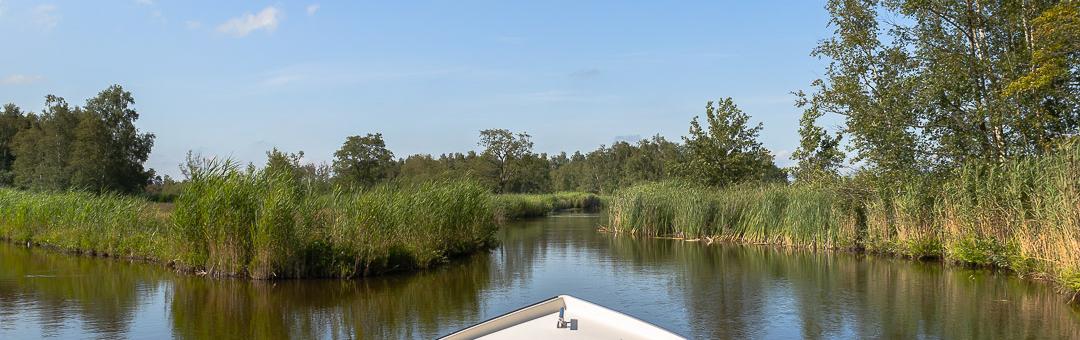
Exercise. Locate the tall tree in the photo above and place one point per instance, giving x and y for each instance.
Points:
(42, 152)
(363, 161)
(89, 165)
(12, 120)
(505, 150)
(925, 85)
(726, 149)
(125, 148)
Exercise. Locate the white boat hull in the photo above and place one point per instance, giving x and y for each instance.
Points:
(581, 320)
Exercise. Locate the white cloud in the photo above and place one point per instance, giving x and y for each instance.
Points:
(192, 24)
(144, 2)
(20, 79)
(45, 16)
(267, 19)
(312, 8)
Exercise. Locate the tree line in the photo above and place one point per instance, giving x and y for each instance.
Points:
(722, 149)
(94, 147)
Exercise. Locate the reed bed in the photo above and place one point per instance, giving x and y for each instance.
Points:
(264, 224)
(1022, 216)
(267, 224)
(107, 225)
(768, 214)
(516, 206)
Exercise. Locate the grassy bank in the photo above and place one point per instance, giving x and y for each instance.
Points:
(514, 206)
(1022, 216)
(262, 224)
(108, 225)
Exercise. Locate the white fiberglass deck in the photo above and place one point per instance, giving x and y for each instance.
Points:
(586, 321)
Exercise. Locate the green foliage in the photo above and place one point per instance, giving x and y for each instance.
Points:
(82, 222)
(622, 164)
(511, 156)
(819, 156)
(266, 224)
(12, 120)
(95, 147)
(515, 206)
(926, 86)
(800, 215)
(363, 161)
(726, 150)
(1019, 215)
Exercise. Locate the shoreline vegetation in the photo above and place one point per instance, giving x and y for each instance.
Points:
(266, 224)
(1022, 216)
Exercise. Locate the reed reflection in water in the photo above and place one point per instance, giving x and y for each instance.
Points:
(698, 290)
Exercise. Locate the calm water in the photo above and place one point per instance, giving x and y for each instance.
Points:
(693, 289)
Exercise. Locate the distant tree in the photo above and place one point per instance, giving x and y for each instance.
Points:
(89, 164)
(726, 150)
(42, 152)
(363, 161)
(285, 163)
(12, 120)
(125, 148)
(505, 151)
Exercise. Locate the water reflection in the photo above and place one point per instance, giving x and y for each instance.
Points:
(702, 291)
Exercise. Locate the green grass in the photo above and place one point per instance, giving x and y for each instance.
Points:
(770, 214)
(261, 224)
(108, 225)
(516, 206)
(1023, 215)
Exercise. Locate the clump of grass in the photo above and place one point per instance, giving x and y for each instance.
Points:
(266, 224)
(769, 214)
(109, 225)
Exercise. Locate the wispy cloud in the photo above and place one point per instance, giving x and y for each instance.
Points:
(561, 96)
(144, 2)
(192, 24)
(585, 73)
(45, 16)
(267, 19)
(312, 8)
(20, 79)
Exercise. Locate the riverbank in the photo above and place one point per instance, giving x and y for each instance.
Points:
(269, 224)
(261, 225)
(1020, 216)
(517, 206)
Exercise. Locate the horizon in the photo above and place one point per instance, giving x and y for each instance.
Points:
(235, 80)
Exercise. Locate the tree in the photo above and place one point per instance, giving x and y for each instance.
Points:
(42, 151)
(125, 149)
(363, 161)
(818, 155)
(505, 151)
(726, 150)
(89, 164)
(12, 120)
(926, 85)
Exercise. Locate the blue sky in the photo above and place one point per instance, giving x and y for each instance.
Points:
(237, 78)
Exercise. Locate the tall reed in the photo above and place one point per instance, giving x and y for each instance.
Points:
(514, 206)
(266, 224)
(74, 221)
(1023, 215)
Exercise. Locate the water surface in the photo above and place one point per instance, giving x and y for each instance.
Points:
(698, 290)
